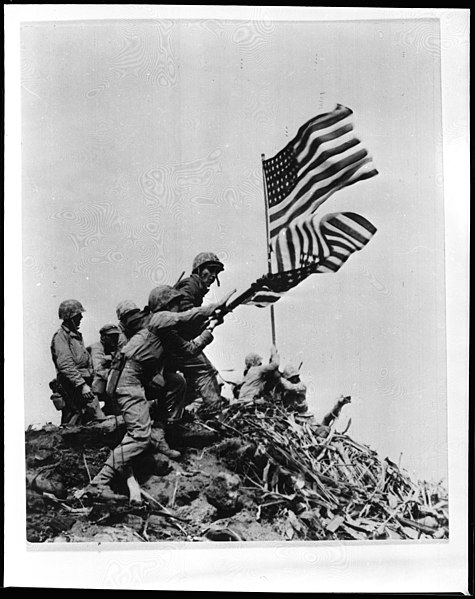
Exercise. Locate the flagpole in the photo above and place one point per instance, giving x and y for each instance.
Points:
(269, 259)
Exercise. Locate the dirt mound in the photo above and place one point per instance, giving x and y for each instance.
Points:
(257, 473)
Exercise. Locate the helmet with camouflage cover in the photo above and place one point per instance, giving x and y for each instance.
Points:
(161, 296)
(124, 307)
(252, 359)
(207, 258)
(69, 308)
(109, 329)
(290, 371)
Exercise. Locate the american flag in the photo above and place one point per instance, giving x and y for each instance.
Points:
(339, 235)
(315, 239)
(322, 158)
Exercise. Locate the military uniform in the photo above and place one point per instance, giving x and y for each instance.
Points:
(101, 355)
(256, 376)
(73, 370)
(199, 372)
(291, 391)
(145, 359)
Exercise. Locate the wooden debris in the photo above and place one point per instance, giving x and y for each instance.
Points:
(325, 485)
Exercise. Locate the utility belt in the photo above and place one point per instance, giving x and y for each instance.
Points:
(63, 391)
(148, 377)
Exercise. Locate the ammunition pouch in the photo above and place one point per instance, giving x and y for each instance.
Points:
(58, 401)
(57, 397)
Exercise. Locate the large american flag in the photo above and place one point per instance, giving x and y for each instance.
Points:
(336, 237)
(322, 158)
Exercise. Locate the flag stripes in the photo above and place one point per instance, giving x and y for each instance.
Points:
(335, 238)
(313, 240)
(322, 158)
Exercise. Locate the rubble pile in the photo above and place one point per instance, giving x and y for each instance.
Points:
(322, 484)
(256, 473)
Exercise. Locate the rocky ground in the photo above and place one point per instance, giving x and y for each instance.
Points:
(257, 474)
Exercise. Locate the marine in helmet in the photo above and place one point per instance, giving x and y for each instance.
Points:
(74, 372)
(130, 318)
(201, 376)
(257, 375)
(292, 391)
(204, 272)
(183, 354)
(144, 372)
(102, 353)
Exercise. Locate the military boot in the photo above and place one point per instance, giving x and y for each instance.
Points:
(160, 444)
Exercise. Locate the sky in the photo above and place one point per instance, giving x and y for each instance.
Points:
(134, 137)
(141, 146)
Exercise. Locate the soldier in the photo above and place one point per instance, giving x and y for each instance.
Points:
(200, 374)
(258, 375)
(165, 300)
(292, 390)
(102, 353)
(73, 365)
(205, 270)
(126, 310)
(144, 360)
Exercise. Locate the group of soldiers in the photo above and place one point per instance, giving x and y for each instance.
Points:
(150, 365)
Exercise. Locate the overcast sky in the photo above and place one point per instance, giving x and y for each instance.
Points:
(142, 145)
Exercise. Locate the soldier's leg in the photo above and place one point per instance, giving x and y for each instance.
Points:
(201, 378)
(71, 412)
(175, 395)
(70, 416)
(135, 493)
(135, 411)
(110, 405)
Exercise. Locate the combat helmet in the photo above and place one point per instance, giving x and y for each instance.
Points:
(124, 307)
(252, 359)
(207, 258)
(69, 308)
(290, 371)
(109, 329)
(161, 296)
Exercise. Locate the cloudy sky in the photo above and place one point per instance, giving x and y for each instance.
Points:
(141, 146)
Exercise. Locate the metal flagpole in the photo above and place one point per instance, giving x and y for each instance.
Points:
(269, 250)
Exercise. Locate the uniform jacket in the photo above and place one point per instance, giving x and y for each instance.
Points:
(193, 291)
(147, 348)
(293, 395)
(101, 363)
(255, 380)
(70, 357)
(123, 339)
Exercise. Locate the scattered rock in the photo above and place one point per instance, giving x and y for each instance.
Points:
(198, 510)
(135, 522)
(35, 503)
(223, 534)
(246, 525)
(42, 484)
(223, 493)
(60, 523)
(42, 457)
(160, 526)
